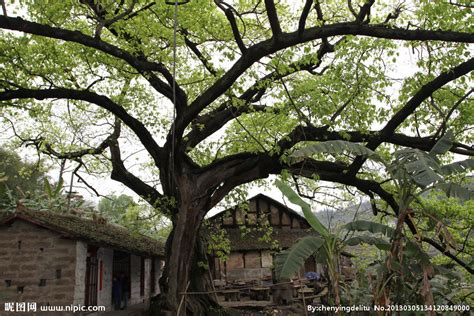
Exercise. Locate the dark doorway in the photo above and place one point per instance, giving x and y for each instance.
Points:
(91, 277)
(142, 276)
(310, 265)
(121, 266)
(153, 276)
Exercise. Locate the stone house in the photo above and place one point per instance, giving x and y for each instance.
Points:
(251, 255)
(59, 260)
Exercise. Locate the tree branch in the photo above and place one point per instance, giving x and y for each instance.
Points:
(156, 83)
(46, 148)
(367, 187)
(442, 127)
(140, 63)
(194, 48)
(227, 9)
(448, 254)
(311, 133)
(304, 16)
(273, 18)
(214, 120)
(264, 48)
(425, 92)
(121, 174)
(226, 173)
(102, 101)
(365, 12)
(19, 24)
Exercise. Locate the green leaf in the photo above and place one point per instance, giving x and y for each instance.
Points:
(380, 243)
(421, 167)
(47, 188)
(294, 198)
(421, 173)
(458, 167)
(288, 262)
(412, 249)
(456, 191)
(369, 226)
(59, 187)
(443, 145)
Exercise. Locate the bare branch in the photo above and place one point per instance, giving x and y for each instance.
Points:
(121, 174)
(423, 93)
(304, 15)
(4, 7)
(351, 8)
(228, 11)
(442, 127)
(194, 48)
(273, 18)
(393, 15)
(104, 102)
(461, 5)
(364, 13)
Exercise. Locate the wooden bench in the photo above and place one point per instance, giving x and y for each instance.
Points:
(305, 292)
(231, 295)
(260, 293)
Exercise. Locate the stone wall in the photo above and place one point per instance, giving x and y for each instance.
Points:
(158, 271)
(135, 266)
(249, 265)
(147, 279)
(104, 294)
(36, 265)
(80, 273)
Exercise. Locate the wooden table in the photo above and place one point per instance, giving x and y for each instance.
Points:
(231, 295)
(305, 292)
(260, 293)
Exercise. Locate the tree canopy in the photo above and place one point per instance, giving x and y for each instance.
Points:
(97, 82)
(17, 177)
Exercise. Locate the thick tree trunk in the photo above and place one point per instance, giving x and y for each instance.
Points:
(185, 269)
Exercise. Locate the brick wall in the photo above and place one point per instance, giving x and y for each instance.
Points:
(29, 254)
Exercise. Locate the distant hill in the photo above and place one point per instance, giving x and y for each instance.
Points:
(334, 218)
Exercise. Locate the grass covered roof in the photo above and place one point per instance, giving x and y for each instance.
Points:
(93, 232)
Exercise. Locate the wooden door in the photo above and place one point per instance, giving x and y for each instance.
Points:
(92, 267)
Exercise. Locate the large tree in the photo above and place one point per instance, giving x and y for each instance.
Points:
(253, 81)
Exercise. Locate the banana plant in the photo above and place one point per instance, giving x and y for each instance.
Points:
(413, 172)
(327, 247)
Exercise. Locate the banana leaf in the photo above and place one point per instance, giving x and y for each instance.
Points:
(288, 262)
(294, 198)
